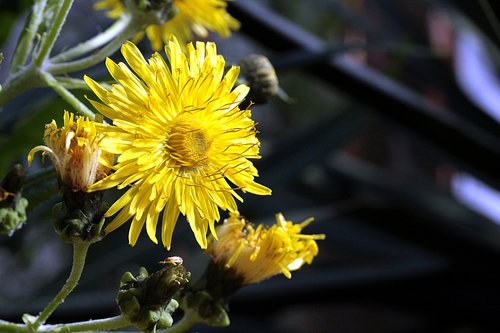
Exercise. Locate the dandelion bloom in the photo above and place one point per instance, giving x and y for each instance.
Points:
(181, 137)
(74, 151)
(255, 254)
(193, 17)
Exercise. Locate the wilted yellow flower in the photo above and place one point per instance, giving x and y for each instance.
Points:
(256, 254)
(197, 17)
(74, 151)
(181, 137)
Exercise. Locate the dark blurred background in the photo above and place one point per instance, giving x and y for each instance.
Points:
(392, 143)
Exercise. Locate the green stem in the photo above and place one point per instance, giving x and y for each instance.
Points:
(25, 45)
(49, 40)
(98, 57)
(8, 327)
(95, 42)
(91, 325)
(18, 83)
(71, 83)
(79, 254)
(67, 95)
(105, 324)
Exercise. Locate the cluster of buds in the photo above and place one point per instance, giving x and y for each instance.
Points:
(146, 300)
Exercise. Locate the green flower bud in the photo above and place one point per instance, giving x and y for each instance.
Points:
(12, 204)
(209, 311)
(80, 216)
(146, 300)
(151, 11)
(12, 218)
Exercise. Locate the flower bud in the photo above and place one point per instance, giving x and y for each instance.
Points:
(146, 300)
(207, 309)
(150, 11)
(12, 204)
(80, 216)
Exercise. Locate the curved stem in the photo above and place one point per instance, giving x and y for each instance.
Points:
(95, 42)
(79, 254)
(49, 40)
(91, 325)
(67, 95)
(94, 59)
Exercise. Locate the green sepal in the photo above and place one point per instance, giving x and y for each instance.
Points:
(80, 216)
(151, 11)
(208, 310)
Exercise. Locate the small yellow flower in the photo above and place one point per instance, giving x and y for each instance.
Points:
(74, 151)
(116, 7)
(182, 139)
(256, 254)
(193, 17)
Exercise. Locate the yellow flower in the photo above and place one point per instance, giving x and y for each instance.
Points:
(256, 254)
(193, 17)
(181, 137)
(116, 7)
(74, 151)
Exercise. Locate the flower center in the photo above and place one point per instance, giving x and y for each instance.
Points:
(188, 144)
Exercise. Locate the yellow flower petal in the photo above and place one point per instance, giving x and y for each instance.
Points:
(181, 137)
(255, 254)
(194, 17)
(75, 152)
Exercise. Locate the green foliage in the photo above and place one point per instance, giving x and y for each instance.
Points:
(27, 131)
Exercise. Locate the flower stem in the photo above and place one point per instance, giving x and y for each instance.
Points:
(18, 83)
(79, 254)
(94, 59)
(91, 325)
(8, 327)
(71, 83)
(25, 45)
(67, 95)
(49, 40)
(95, 42)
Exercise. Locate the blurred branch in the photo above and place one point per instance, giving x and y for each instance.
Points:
(490, 15)
(455, 137)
